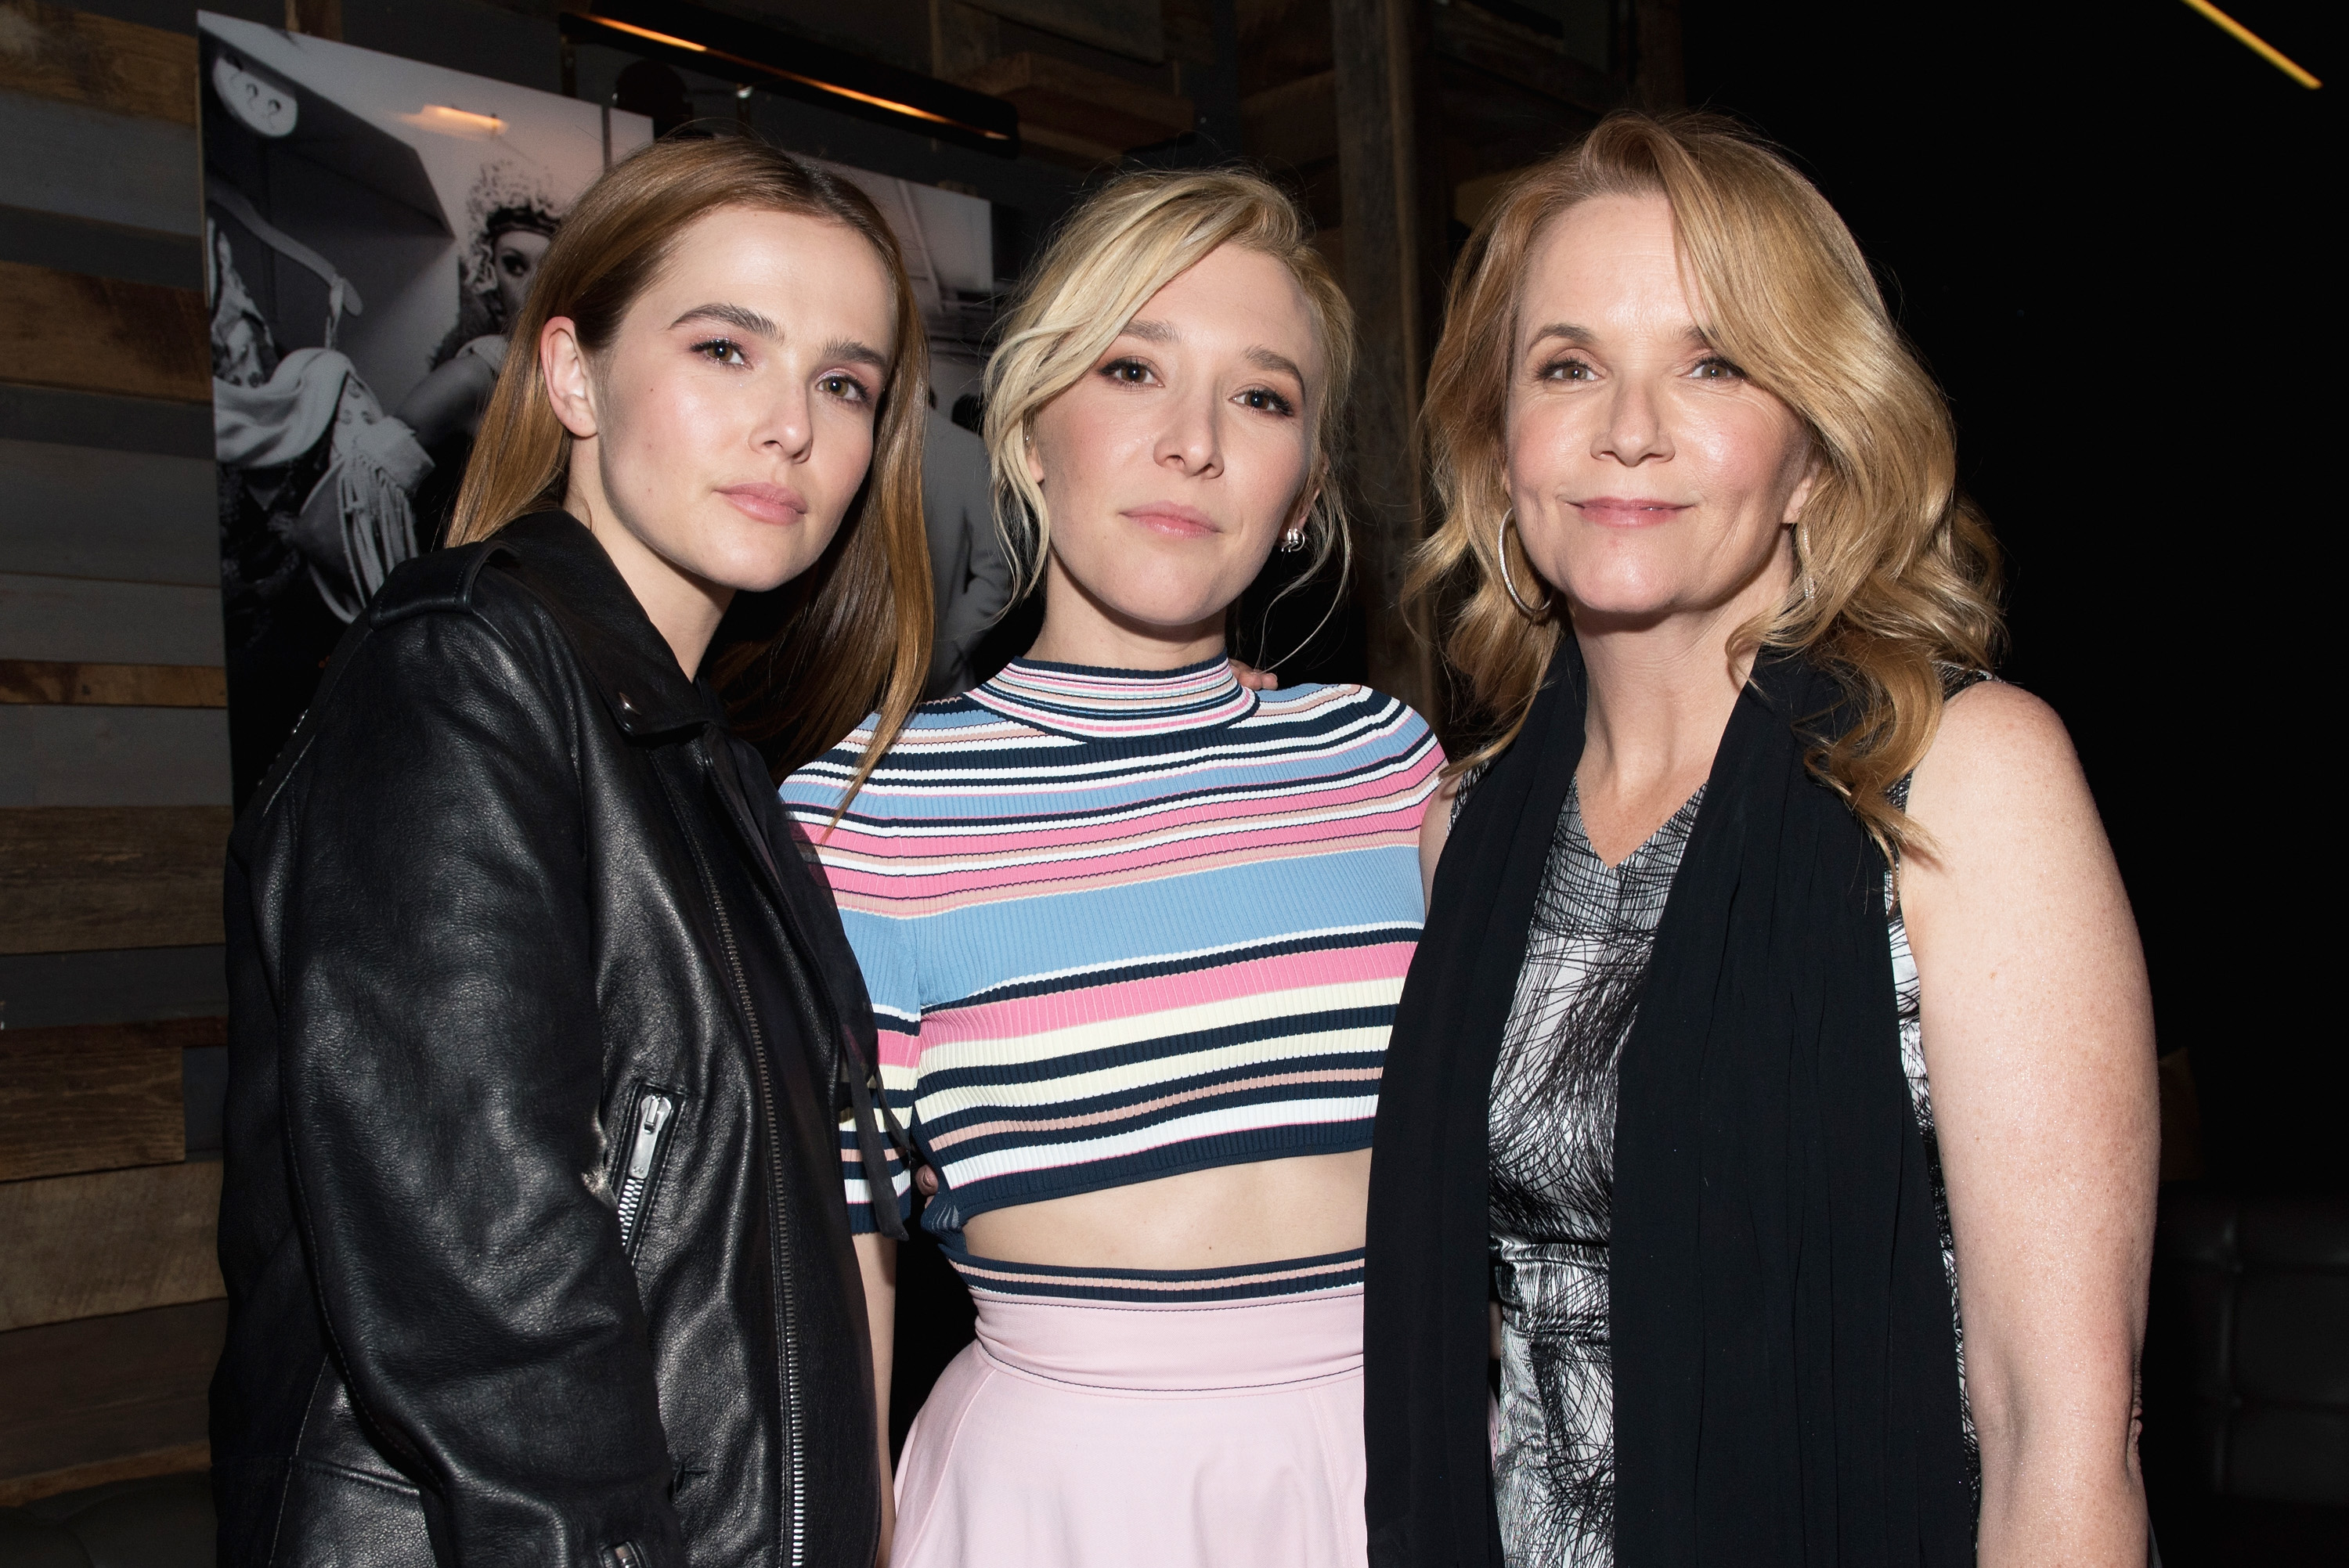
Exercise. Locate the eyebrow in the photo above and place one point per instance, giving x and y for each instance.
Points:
(1151, 331)
(735, 316)
(856, 353)
(1266, 359)
(1582, 336)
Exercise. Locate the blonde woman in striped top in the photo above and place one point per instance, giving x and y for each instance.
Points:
(1134, 933)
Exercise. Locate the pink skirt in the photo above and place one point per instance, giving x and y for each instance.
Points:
(1120, 1433)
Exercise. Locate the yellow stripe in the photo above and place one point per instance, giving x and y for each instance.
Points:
(2256, 43)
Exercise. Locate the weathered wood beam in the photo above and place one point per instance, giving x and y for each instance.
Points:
(1471, 37)
(109, 1241)
(107, 1399)
(88, 334)
(78, 878)
(1396, 199)
(113, 686)
(54, 52)
(101, 1097)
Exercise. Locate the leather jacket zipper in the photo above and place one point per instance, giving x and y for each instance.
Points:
(654, 1111)
(786, 1336)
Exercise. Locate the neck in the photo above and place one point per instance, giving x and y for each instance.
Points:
(684, 607)
(1662, 690)
(1078, 629)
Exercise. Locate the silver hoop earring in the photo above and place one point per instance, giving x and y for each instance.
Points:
(1501, 553)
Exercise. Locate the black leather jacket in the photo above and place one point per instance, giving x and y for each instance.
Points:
(532, 1226)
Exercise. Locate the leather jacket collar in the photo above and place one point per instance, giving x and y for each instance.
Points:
(632, 664)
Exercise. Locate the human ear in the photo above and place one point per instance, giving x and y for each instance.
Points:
(562, 366)
(1800, 497)
(1027, 455)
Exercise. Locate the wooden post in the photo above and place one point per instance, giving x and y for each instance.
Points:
(1394, 196)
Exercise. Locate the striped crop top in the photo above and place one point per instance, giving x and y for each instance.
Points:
(1120, 925)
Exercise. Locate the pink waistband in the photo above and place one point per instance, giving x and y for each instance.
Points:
(1175, 1346)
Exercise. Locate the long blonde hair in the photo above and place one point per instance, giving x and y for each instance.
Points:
(853, 632)
(1898, 575)
(1129, 240)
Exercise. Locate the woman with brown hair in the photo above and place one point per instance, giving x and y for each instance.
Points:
(542, 1029)
(1780, 1026)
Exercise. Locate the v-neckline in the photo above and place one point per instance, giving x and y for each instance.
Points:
(1582, 827)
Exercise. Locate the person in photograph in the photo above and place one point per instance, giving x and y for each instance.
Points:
(512, 217)
(1778, 1062)
(1134, 931)
(970, 570)
(541, 1027)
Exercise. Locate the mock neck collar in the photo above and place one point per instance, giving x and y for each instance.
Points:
(1081, 700)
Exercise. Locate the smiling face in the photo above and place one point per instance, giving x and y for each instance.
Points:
(1172, 466)
(725, 430)
(1649, 477)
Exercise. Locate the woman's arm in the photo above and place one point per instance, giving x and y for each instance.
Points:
(2038, 1036)
(876, 1261)
(423, 903)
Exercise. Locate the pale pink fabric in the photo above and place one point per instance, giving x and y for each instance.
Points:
(1092, 1434)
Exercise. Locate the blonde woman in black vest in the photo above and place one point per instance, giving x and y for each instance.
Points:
(1773, 1094)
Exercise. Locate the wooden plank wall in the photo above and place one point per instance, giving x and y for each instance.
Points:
(114, 774)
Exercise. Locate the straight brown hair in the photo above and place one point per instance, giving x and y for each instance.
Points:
(1897, 575)
(800, 667)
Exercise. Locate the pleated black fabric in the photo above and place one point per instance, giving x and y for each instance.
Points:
(1786, 1364)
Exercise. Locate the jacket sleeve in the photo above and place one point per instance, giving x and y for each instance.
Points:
(441, 1060)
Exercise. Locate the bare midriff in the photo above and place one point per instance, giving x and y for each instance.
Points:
(1266, 1212)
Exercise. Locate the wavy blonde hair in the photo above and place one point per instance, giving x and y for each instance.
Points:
(1897, 573)
(1129, 240)
(853, 632)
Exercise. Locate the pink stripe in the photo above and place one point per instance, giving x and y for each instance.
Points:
(1182, 855)
(1023, 1017)
(1254, 813)
(907, 896)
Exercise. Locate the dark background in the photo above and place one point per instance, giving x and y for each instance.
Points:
(2101, 226)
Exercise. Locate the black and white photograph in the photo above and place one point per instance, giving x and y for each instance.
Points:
(371, 224)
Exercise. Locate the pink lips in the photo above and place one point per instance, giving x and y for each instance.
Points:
(767, 503)
(1628, 511)
(1171, 517)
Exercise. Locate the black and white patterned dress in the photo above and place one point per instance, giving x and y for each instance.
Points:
(1552, 1130)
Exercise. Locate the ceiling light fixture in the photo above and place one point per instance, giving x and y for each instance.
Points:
(2256, 43)
(752, 55)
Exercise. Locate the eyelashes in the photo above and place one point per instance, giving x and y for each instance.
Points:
(837, 384)
(1130, 372)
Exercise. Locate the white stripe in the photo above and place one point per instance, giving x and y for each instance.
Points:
(1183, 1130)
(1265, 1056)
(946, 1053)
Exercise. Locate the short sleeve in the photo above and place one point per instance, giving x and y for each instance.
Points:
(885, 957)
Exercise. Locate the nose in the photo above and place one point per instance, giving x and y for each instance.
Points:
(1192, 440)
(1634, 429)
(786, 427)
